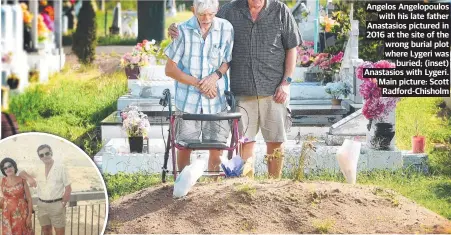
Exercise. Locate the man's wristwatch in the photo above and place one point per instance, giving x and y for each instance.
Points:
(288, 80)
(218, 73)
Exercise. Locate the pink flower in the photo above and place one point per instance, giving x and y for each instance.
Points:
(320, 58)
(359, 70)
(324, 65)
(48, 21)
(135, 59)
(384, 64)
(138, 48)
(310, 51)
(308, 43)
(373, 109)
(305, 59)
(337, 58)
(370, 90)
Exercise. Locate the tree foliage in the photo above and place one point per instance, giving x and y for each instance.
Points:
(84, 38)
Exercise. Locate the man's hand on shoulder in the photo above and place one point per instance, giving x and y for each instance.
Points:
(173, 31)
(29, 178)
(32, 182)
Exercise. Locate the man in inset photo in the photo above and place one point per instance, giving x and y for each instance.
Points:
(53, 189)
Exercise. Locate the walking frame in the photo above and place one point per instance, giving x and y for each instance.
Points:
(171, 144)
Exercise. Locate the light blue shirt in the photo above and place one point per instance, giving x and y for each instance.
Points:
(200, 58)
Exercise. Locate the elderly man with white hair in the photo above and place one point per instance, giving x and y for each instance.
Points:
(198, 62)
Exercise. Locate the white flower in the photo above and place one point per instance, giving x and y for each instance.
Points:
(147, 46)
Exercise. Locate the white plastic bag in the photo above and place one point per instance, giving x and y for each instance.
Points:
(188, 177)
(348, 157)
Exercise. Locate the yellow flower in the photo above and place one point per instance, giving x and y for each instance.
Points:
(328, 24)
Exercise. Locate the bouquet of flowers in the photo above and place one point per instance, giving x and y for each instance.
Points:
(27, 16)
(134, 59)
(135, 123)
(329, 64)
(143, 53)
(50, 12)
(48, 21)
(43, 30)
(336, 89)
(329, 25)
(376, 107)
(147, 47)
(306, 54)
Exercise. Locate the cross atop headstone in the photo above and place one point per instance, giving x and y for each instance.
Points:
(351, 60)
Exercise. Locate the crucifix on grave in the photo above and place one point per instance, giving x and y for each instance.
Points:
(351, 60)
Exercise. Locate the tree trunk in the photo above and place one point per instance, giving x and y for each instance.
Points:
(151, 20)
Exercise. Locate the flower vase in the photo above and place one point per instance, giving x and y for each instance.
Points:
(381, 133)
(136, 144)
(336, 101)
(418, 143)
(27, 42)
(132, 72)
(326, 77)
(13, 83)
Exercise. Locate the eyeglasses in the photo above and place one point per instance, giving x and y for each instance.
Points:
(46, 154)
(7, 166)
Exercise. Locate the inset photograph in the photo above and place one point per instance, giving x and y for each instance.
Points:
(49, 186)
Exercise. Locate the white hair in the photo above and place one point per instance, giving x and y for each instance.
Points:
(200, 6)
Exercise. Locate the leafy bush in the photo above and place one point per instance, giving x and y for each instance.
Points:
(435, 129)
(85, 38)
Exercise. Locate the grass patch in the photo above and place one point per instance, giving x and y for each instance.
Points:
(432, 192)
(116, 40)
(246, 189)
(324, 226)
(436, 129)
(104, 38)
(100, 20)
(122, 184)
(71, 105)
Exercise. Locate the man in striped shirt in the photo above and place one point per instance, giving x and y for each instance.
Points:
(198, 61)
(264, 59)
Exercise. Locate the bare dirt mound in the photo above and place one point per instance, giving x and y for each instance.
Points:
(245, 206)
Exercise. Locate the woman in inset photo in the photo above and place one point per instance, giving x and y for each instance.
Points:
(16, 203)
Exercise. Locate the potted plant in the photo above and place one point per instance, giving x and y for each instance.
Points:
(136, 124)
(13, 81)
(131, 62)
(418, 141)
(336, 90)
(27, 19)
(275, 163)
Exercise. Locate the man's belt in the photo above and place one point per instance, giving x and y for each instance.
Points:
(51, 201)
